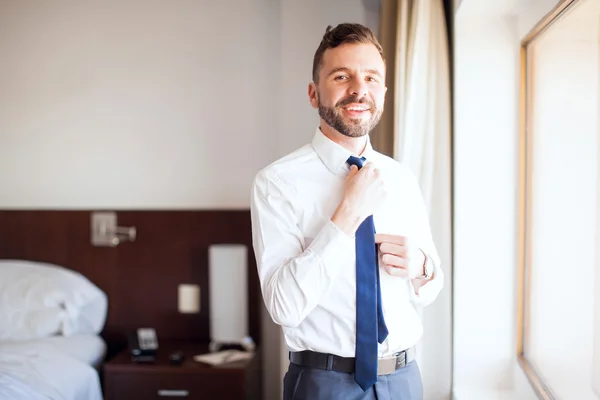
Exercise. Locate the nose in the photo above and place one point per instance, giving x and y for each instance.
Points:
(358, 88)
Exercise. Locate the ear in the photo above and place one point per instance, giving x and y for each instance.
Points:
(313, 95)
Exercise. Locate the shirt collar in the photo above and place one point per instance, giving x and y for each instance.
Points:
(333, 155)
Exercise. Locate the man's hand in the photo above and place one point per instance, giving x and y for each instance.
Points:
(364, 192)
(399, 256)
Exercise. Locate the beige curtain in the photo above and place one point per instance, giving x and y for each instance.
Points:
(415, 130)
(382, 137)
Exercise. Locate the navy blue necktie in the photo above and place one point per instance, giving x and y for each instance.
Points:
(370, 325)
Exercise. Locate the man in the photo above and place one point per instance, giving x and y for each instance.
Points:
(324, 218)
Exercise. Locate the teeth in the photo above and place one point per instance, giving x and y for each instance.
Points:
(357, 109)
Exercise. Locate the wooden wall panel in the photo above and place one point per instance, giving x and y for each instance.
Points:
(141, 277)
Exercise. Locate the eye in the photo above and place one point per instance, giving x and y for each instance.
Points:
(341, 77)
(371, 79)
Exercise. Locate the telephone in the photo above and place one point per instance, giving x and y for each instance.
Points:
(143, 345)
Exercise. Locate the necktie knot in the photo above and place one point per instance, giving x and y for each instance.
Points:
(359, 162)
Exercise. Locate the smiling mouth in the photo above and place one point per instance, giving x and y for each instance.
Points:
(357, 108)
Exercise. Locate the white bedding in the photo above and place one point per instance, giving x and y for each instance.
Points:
(40, 300)
(57, 368)
(89, 349)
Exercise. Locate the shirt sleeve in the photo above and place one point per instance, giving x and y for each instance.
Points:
(293, 277)
(428, 292)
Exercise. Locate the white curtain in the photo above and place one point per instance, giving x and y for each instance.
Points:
(422, 142)
(423, 92)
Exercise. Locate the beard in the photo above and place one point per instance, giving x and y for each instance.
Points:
(352, 127)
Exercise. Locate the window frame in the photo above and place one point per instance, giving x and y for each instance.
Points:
(541, 389)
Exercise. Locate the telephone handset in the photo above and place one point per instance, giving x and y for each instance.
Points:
(143, 344)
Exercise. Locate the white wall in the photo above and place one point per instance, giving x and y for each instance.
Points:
(131, 106)
(486, 159)
(486, 132)
(156, 105)
(596, 356)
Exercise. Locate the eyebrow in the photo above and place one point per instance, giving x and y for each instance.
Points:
(344, 69)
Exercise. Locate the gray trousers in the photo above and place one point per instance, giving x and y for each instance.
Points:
(302, 383)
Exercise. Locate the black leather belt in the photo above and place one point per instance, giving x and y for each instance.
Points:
(331, 362)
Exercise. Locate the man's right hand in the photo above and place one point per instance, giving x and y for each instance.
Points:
(364, 192)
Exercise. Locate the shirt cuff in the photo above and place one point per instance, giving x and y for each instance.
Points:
(429, 290)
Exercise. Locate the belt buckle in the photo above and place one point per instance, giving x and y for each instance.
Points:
(388, 365)
(401, 360)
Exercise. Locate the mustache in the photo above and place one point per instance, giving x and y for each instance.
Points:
(355, 99)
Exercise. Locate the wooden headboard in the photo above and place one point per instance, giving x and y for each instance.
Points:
(141, 278)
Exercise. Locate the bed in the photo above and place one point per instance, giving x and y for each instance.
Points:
(172, 248)
(50, 320)
(56, 368)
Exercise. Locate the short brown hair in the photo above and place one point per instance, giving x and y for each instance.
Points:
(343, 33)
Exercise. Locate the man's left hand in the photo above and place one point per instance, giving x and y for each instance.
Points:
(399, 256)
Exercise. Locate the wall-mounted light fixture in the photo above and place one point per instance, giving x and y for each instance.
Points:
(105, 232)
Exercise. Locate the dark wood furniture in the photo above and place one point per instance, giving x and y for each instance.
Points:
(191, 380)
(141, 278)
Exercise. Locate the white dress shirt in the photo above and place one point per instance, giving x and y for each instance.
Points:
(307, 265)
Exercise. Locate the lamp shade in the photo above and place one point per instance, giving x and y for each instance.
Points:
(228, 292)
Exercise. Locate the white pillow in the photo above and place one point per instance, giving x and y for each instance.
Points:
(39, 300)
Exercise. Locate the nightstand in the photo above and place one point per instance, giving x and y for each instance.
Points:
(125, 380)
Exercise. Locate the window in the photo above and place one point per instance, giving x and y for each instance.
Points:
(559, 307)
